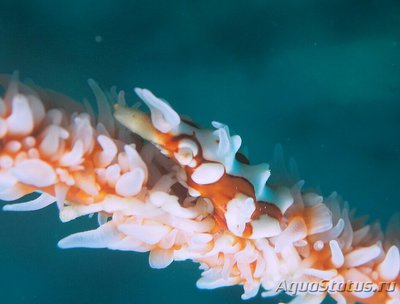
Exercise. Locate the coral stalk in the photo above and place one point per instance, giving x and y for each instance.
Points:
(181, 192)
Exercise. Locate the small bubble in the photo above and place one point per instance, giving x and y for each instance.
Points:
(98, 38)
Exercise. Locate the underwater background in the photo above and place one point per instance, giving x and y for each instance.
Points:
(320, 77)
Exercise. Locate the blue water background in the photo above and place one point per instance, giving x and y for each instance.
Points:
(320, 77)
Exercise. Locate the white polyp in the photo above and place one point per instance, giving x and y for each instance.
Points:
(6, 162)
(308, 298)
(148, 153)
(291, 259)
(131, 244)
(201, 238)
(161, 258)
(83, 131)
(170, 204)
(61, 191)
(260, 267)
(193, 163)
(389, 268)
(184, 156)
(164, 183)
(236, 142)
(163, 117)
(120, 97)
(148, 232)
(238, 213)
(321, 274)
(189, 144)
(135, 161)
(360, 234)
(101, 218)
(130, 183)
(362, 255)
(331, 234)
(270, 293)
(105, 157)
(101, 130)
(112, 174)
(247, 255)
(20, 157)
(33, 153)
(13, 146)
(15, 192)
(193, 192)
(311, 199)
(37, 108)
(65, 177)
(337, 257)
(86, 181)
(295, 231)
(224, 243)
(101, 237)
(320, 219)
(70, 213)
(365, 294)
(204, 206)
(192, 225)
(168, 240)
(346, 238)
(7, 180)
(101, 176)
(40, 202)
(210, 279)
(222, 132)
(318, 245)
(270, 257)
(208, 173)
(73, 157)
(55, 116)
(227, 145)
(229, 262)
(251, 288)
(29, 142)
(34, 172)
(265, 226)
(20, 122)
(52, 137)
(103, 105)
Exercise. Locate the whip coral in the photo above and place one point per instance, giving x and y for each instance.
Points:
(181, 192)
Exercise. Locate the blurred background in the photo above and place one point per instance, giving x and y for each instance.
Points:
(320, 77)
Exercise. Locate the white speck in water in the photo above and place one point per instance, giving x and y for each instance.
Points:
(98, 38)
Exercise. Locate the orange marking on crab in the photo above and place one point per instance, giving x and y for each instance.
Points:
(221, 191)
